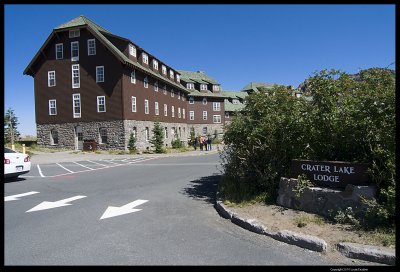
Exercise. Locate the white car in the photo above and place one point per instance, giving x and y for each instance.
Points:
(15, 163)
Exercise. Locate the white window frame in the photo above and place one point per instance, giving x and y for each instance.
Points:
(191, 100)
(91, 47)
(171, 74)
(191, 115)
(51, 75)
(145, 58)
(216, 106)
(227, 114)
(204, 101)
(156, 109)
(165, 89)
(147, 134)
(172, 93)
(146, 82)
(166, 132)
(132, 50)
(101, 133)
(165, 110)
(203, 87)
(75, 67)
(190, 86)
(235, 101)
(101, 101)
(74, 33)
(178, 78)
(183, 113)
(74, 58)
(133, 99)
(99, 75)
(58, 51)
(172, 111)
(155, 64)
(76, 97)
(179, 113)
(146, 106)
(133, 77)
(179, 95)
(53, 106)
(216, 117)
(52, 134)
(156, 86)
(205, 115)
(164, 69)
(215, 87)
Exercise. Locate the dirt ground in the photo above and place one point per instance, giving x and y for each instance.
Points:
(276, 218)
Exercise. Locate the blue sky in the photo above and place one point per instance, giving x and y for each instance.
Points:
(235, 44)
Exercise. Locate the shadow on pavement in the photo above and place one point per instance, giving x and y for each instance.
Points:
(204, 188)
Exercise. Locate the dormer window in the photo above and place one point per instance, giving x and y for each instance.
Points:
(178, 78)
(155, 64)
(215, 88)
(132, 50)
(190, 86)
(164, 69)
(145, 58)
(203, 87)
(235, 101)
(74, 33)
(171, 74)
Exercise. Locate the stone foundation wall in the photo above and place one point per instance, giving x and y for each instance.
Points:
(198, 129)
(323, 201)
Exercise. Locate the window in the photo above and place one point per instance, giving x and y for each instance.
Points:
(204, 101)
(74, 33)
(183, 97)
(101, 104)
(54, 137)
(156, 110)
(226, 114)
(156, 86)
(146, 106)
(217, 119)
(134, 132)
(203, 87)
(172, 93)
(59, 51)
(190, 86)
(191, 115)
(132, 50)
(172, 111)
(147, 134)
(51, 78)
(179, 95)
(52, 107)
(215, 88)
(216, 106)
(178, 78)
(103, 135)
(173, 131)
(171, 74)
(99, 73)
(76, 105)
(165, 110)
(183, 113)
(205, 130)
(133, 77)
(165, 89)
(179, 113)
(180, 132)
(204, 115)
(155, 64)
(91, 45)
(164, 69)
(133, 104)
(166, 133)
(74, 51)
(191, 100)
(145, 58)
(235, 101)
(146, 82)
(75, 76)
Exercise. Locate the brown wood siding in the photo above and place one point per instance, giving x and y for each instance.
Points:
(89, 89)
(141, 93)
(198, 109)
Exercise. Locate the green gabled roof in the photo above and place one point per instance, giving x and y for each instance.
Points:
(198, 76)
(234, 94)
(253, 86)
(208, 94)
(229, 106)
(81, 21)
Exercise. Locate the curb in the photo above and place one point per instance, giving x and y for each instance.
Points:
(350, 250)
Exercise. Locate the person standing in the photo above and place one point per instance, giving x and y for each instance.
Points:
(201, 139)
(209, 143)
(195, 143)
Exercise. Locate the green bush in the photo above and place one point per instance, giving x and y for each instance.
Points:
(157, 140)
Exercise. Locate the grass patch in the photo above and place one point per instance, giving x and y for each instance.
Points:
(379, 237)
(303, 220)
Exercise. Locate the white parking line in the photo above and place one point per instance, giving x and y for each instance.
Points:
(40, 171)
(112, 162)
(97, 163)
(64, 168)
(83, 166)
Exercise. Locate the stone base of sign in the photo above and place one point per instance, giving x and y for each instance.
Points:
(324, 201)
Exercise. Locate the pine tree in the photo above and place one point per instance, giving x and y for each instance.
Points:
(192, 136)
(157, 140)
(10, 126)
(132, 143)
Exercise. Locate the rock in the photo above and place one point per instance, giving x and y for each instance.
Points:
(301, 240)
(367, 253)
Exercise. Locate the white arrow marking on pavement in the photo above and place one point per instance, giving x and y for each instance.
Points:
(128, 208)
(16, 197)
(50, 205)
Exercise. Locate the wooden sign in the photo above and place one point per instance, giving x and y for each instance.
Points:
(331, 173)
